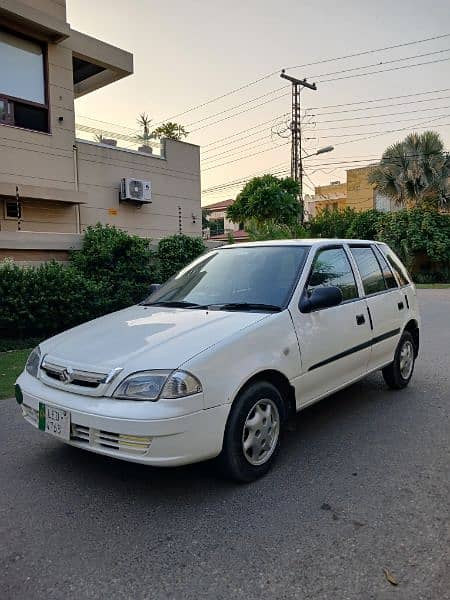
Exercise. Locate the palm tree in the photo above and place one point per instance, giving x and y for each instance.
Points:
(415, 171)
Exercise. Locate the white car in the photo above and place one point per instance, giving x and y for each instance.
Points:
(214, 361)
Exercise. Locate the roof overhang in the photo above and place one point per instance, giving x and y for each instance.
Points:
(18, 15)
(35, 192)
(96, 63)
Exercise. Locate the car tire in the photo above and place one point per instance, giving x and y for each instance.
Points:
(252, 434)
(398, 374)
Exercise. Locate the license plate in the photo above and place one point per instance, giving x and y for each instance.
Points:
(54, 420)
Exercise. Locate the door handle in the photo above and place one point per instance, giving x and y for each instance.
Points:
(360, 320)
(401, 306)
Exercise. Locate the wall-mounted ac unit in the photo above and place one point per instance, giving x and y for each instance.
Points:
(136, 191)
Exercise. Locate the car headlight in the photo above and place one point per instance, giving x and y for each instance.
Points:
(152, 385)
(33, 362)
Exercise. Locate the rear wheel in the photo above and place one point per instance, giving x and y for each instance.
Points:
(398, 374)
(252, 435)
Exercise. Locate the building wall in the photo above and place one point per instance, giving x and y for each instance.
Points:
(90, 172)
(360, 193)
(332, 196)
(175, 189)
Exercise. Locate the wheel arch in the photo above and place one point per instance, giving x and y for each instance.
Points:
(277, 379)
(413, 327)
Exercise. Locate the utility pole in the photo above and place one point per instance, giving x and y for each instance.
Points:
(296, 132)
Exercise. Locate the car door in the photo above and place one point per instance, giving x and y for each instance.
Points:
(385, 302)
(334, 342)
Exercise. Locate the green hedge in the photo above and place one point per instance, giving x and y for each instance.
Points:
(420, 236)
(111, 271)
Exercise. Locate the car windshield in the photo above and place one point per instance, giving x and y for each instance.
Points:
(239, 278)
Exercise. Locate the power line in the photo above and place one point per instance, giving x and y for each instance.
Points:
(403, 112)
(323, 81)
(377, 100)
(238, 113)
(340, 127)
(247, 156)
(420, 64)
(352, 110)
(245, 130)
(278, 89)
(317, 62)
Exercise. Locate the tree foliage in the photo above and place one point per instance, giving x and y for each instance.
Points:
(266, 199)
(170, 130)
(414, 172)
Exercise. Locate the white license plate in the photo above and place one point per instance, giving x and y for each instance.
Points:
(54, 420)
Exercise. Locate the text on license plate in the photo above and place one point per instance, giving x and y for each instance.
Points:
(54, 420)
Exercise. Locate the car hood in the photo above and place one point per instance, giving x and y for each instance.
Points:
(144, 337)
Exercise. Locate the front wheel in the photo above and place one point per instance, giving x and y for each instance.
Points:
(398, 374)
(252, 435)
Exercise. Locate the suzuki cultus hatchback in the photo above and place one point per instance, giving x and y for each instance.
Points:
(213, 362)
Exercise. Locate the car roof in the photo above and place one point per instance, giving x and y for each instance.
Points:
(300, 242)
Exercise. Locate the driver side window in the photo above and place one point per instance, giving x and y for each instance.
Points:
(331, 267)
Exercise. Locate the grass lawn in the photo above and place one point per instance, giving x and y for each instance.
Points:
(436, 286)
(11, 365)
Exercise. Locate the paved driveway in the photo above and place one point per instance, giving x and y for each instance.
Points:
(362, 484)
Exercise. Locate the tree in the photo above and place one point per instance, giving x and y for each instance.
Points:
(267, 199)
(414, 172)
(172, 131)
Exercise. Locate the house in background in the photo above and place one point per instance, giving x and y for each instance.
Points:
(356, 193)
(220, 226)
(53, 184)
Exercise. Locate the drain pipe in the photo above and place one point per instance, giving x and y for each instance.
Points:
(75, 174)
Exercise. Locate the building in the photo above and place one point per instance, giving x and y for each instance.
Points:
(217, 215)
(356, 192)
(53, 183)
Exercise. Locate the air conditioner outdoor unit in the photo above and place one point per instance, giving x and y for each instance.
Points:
(136, 190)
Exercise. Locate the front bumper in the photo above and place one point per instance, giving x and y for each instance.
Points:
(176, 440)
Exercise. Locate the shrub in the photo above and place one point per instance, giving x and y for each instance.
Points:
(418, 236)
(41, 301)
(112, 270)
(122, 264)
(174, 253)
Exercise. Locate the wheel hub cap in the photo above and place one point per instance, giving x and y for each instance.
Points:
(406, 359)
(261, 432)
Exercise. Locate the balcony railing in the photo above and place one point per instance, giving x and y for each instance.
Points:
(128, 139)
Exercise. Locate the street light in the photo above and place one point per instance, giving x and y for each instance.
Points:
(321, 151)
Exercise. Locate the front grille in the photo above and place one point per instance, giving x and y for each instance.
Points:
(73, 376)
(128, 444)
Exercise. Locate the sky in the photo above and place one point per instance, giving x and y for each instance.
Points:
(187, 52)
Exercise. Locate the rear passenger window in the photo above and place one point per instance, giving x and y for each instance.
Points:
(371, 275)
(387, 273)
(397, 268)
(332, 268)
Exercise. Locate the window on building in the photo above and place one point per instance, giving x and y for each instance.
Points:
(332, 268)
(12, 210)
(370, 270)
(23, 99)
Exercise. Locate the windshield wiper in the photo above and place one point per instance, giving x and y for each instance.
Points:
(172, 304)
(248, 306)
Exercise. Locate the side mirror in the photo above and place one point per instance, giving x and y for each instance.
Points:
(322, 297)
(154, 287)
